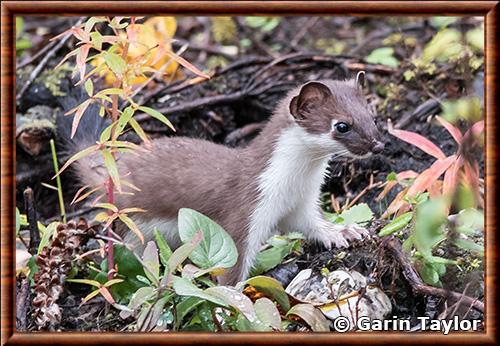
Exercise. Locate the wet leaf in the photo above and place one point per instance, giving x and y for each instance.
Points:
(184, 287)
(268, 313)
(235, 299)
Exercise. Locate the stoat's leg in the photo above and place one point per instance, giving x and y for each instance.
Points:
(310, 221)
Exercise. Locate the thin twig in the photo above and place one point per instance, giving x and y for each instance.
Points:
(30, 207)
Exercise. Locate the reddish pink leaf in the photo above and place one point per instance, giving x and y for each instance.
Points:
(435, 189)
(388, 187)
(471, 171)
(475, 129)
(406, 175)
(451, 177)
(419, 141)
(453, 130)
(396, 203)
(430, 175)
(78, 115)
(105, 293)
(81, 59)
(185, 63)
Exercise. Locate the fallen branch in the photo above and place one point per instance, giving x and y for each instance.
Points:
(418, 286)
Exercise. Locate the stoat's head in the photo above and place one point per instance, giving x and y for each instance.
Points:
(337, 114)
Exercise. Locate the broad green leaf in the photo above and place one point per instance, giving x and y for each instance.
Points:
(332, 217)
(271, 288)
(235, 299)
(157, 115)
(396, 224)
(270, 258)
(358, 214)
(268, 313)
(217, 248)
(429, 274)
(129, 268)
(312, 316)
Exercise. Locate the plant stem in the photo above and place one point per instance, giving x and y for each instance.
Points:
(58, 181)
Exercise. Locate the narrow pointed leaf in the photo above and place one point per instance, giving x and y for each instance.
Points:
(133, 227)
(110, 164)
(157, 115)
(77, 156)
(419, 141)
(453, 130)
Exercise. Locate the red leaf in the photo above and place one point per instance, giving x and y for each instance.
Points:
(78, 115)
(419, 141)
(475, 129)
(451, 177)
(81, 59)
(453, 130)
(430, 175)
(105, 293)
(406, 175)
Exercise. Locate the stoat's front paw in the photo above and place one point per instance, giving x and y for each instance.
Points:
(340, 235)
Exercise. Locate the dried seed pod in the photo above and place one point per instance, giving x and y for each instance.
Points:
(54, 263)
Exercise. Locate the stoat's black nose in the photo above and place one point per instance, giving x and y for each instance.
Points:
(378, 147)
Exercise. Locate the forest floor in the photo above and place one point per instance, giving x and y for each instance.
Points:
(253, 64)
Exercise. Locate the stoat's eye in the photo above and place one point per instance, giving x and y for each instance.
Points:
(342, 127)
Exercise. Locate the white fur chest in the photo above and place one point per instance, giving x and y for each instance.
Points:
(289, 186)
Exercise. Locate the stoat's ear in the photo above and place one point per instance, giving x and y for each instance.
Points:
(311, 94)
(360, 79)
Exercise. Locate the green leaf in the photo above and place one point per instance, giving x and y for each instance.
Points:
(47, 235)
(129, 268)
(392, 176)
(165, 251)
(183, 252)
(383, 56)
(332, 217)
(429, 226)
(86, 282)
(396, 224)
(157, 115)
(271, 288)
(139, 131)
(123, 120)
(235, 299)
(184, 287)
(89, 87)
(132, 226)
(270, 258)
(357, 214)
(268, 313)
(217, 248)
(110, 163)
(81, 154)
(469, 245)
(185, 307)
(115, 63)
(150, 259)
(429, 274)
(18, 220)
(312, 316)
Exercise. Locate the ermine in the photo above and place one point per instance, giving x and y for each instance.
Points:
(272, 185)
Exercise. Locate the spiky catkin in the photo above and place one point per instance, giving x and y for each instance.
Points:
(54, 263)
